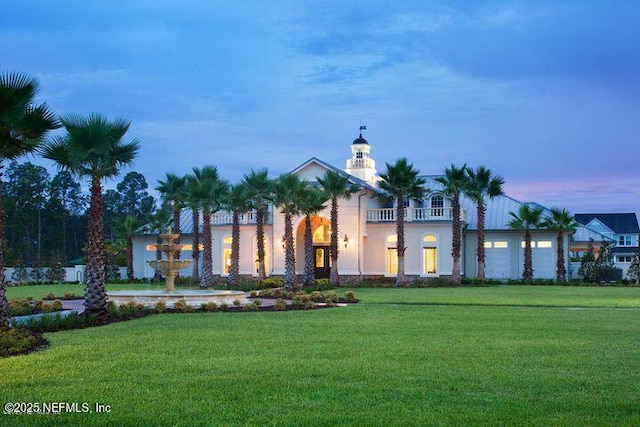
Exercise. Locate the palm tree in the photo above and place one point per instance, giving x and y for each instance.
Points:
(562, 222)
(127, 228)
(313, 201)
(23, 126)
(288, 192)
(214, 190)
(237, 201)
(194, 194)
(92, 147)
(172, 190)
(260, 191)
(482, 185)
(525, 220)
(336, 186)
(401, 182)
(158, 223)
(455, 184)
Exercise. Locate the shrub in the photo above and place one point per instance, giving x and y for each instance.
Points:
(330, 298)
(250, 307)
(273, 282)
(323, 284)
(316, 296)
(70, 295)
(253, 294)
(224, 307)
(160, 307)
(182, 307)
(209, 306)
(268, 293)
(350, 296)
(55, 273)
(128, 310)
(309, 305)
(20, 274)
(57, 305)
(17, 341)
(236, 303)
(37, 273)
(50, 295)
(280, 305)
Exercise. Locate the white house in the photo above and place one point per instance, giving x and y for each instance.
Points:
(367, 233)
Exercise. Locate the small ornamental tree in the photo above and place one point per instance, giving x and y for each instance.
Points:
(587, 268)
(634, 269)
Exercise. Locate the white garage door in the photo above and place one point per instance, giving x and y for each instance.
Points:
(496, 260)
(544, 259)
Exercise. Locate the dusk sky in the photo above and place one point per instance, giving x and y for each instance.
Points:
(544, 93)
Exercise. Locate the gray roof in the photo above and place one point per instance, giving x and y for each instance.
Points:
(584, 234)
(619, 223)
(352, 179)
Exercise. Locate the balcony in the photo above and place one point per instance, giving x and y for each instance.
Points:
(413, 214)
(226, 218)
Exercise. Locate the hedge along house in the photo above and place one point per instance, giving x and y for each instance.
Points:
(367, 236)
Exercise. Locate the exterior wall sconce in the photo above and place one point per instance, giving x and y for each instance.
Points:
(346, 241)
(283, 242)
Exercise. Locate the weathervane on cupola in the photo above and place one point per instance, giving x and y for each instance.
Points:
(361, 165)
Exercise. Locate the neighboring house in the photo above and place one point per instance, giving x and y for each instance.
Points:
(619, 228)
(367, 233)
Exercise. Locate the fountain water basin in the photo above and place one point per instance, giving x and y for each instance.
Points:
(194, 298)
(169, 268)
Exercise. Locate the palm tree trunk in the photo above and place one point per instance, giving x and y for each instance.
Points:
(262, 273)
(456, 243)
(401, 279)
(481, 238)
(96, 297)
(527, 274)
(4, 304)
(207, 266)
(334, 276)
(309, 271)
(561, 270)
(176, 226)
(158, 276)
(195, 253)
(234, 268)
(130, 258)
(289, 255)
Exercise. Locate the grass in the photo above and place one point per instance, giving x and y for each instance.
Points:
(376, 363)
(40, 291)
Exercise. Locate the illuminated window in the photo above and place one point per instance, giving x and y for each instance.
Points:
(501, 245)
(320, 258)
(227, 240)
(226, 260)
(392, 239)
(392, 261)
(430, 238)
(430, 260)
(533, 244)
(488, 245)
(544, 244)
(151, 247)
(322, 234)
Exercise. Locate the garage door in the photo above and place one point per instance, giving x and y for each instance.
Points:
(496, 260)
(544, 259)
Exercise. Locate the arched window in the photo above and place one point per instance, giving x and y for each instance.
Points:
(430, 255)
(437, 205)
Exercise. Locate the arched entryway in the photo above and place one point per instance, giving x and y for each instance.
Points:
(321, 231)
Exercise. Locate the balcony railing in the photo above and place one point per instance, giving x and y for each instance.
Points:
(412, 214)
(226, 217)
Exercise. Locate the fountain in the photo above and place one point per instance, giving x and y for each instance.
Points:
(169, 268)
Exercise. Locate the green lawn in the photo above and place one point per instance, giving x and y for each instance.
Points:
(371, 364)
(40, 291)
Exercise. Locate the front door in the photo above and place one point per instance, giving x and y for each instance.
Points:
(322, 262)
